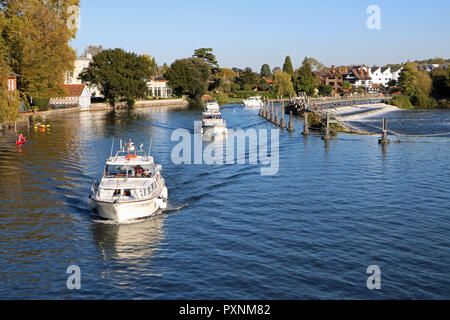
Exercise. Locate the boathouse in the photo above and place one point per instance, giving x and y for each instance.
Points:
(78, 95)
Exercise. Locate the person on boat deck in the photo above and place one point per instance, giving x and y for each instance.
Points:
(138, 170)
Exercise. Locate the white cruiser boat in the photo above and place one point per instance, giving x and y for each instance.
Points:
(131, 187)
(212, 121)
(253, 102)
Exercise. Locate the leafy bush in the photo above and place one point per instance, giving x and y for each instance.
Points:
(325, 89)
(402, 101)
(41, 103)
(221, 98)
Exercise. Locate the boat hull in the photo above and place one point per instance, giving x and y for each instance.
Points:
(124, 211)
(253, 104)
(214, 131)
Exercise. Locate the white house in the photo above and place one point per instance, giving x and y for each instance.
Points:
(157, 87)
(396, 73)
(382, 76)
(81, 63)
(78, 95)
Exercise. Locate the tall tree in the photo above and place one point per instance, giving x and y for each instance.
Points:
(315, 64)
(305, 80)
(9, 101)
(119, 74)
(282, 84)
(441, 83)
(93, 50)
(287, 67)
(265, 71)
(248, 79)
(153, 65)
(276, 69)
(38, 33)
(228, 74)
(416, 84)
(189, 77)
(206, 55)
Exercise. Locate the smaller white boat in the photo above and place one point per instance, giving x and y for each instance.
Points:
(212, 122)
(253, 102)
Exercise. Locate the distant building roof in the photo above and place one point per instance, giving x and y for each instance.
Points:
(74, 90)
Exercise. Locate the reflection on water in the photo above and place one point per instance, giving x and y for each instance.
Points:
(130, 242)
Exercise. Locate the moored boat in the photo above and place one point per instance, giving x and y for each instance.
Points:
(253, 102)
(132, 186)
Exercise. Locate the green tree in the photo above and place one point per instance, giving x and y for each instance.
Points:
(248, 79)
(152, 61)
(93, 50)
(206, 55)
(305, 80)
(315, 64)
(276, 69)
(38, 36)
(282, 84)
(416, 84)
(346, 85)
(441, 83)
(287, 67)
(119, 74)
(325, 89)
(265, 71)
(9, 101)
(189, 77)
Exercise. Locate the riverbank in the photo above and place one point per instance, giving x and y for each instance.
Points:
(105, 106)
(141, 104)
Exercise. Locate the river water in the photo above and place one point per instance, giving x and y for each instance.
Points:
(308, 232)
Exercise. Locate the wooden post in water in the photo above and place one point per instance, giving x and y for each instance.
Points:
(306, 125)
(384, 136)
(291, 123)
(272, 115)
(326, 134)
(277, 122)
(282, 123)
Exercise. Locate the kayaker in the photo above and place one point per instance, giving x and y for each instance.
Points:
(21, 137)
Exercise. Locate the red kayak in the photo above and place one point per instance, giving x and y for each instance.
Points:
(19, 142)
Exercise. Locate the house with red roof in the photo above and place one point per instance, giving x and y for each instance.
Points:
(359, 77)
(77, 95)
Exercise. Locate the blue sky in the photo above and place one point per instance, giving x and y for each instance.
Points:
(253, 32)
